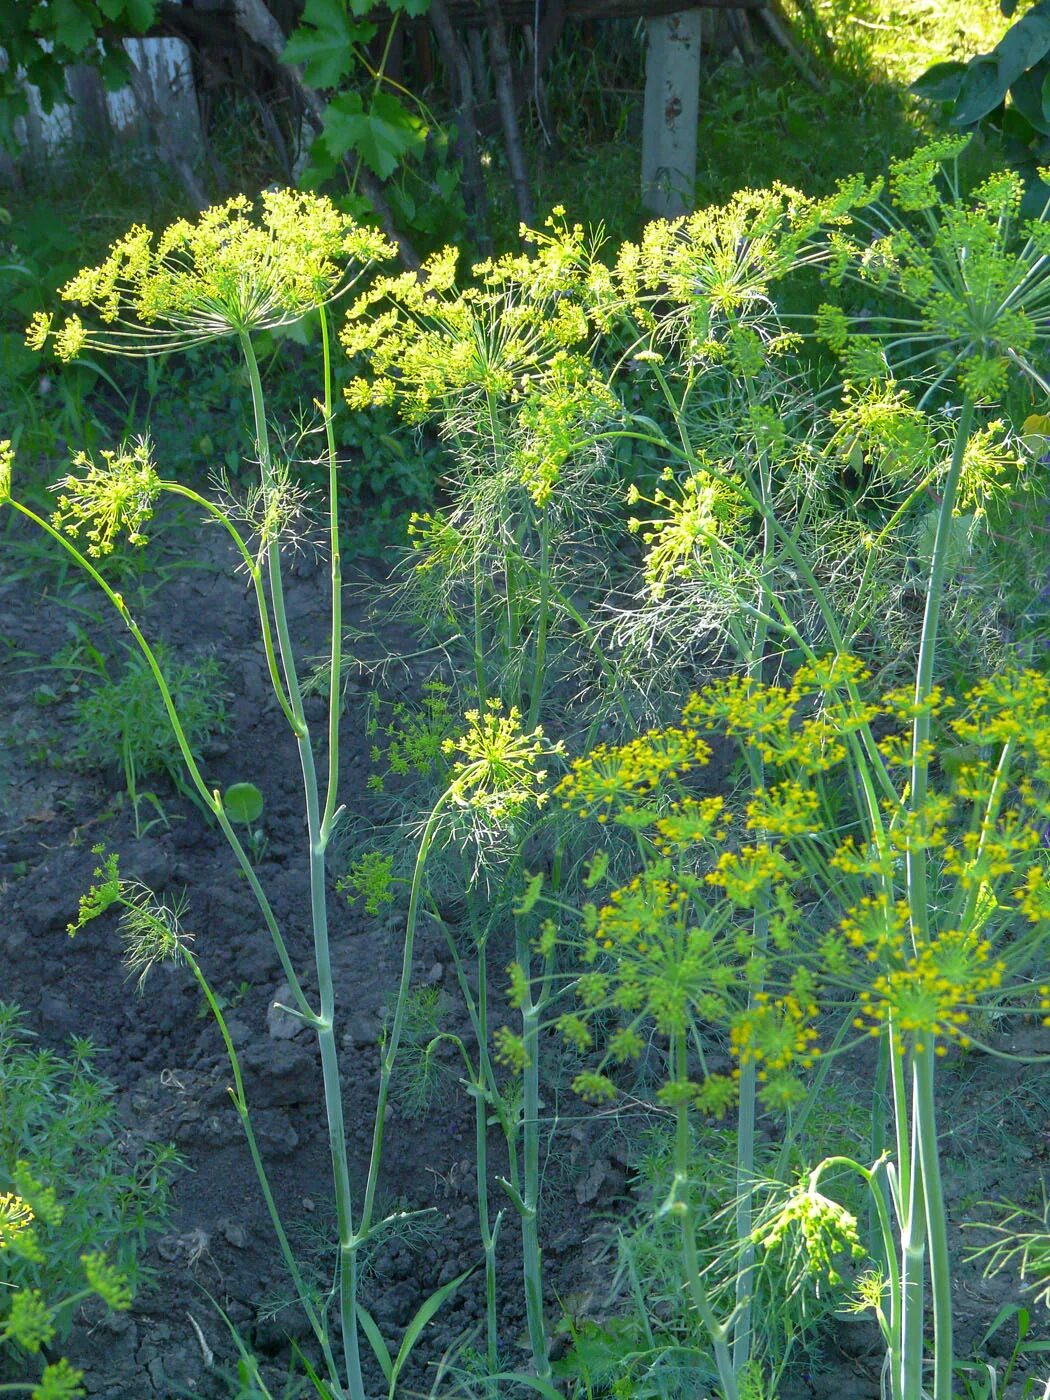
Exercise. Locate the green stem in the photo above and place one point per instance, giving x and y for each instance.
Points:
(336, 657)
(532, 1256)
(386, 1067)
(318, 836)
(920, 767)
(489, 1232)
(681, 1205)
(913, 1256)
(540, 644)
(936, 1221)
(240, 1103)
(273, 544)
(754, 656)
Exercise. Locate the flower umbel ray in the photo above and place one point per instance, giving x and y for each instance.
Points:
(227, 274)
(107, 500)
(495, 770)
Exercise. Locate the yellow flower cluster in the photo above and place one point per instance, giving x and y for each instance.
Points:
(747, 874)
(639, 914)
(109, 500)
(802, 726)
(1010, 707)
(786, 808)
(928, 994)
(979, 857)
(15, 1216)
(876, 926)
(689, 823)
(706, 511)
(7, 457)
(775, 1033)
(494, 769)
(1033, 897)
(228, 273)
(612, 778)
(504, 359)
(691, 281)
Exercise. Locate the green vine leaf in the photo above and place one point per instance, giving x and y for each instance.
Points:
(69, 23)
(325, 41)
(381, 136)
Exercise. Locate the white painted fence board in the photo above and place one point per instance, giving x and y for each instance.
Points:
(672, 113)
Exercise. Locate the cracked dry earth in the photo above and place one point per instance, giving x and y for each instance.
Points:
(165, 1056)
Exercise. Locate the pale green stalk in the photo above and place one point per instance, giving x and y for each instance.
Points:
(386, 1065)
(240, 1103)
(485, 1093)
(927, 1157)
(318, 835)
(528, 1202)
(542, 621)
(680, 1204)
(913, 1253)
(928, 1154)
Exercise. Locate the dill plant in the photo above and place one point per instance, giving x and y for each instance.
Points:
(787, 532)
(233, 274)
(74, 1214)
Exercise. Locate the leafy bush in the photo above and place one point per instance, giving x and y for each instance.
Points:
(124, 721)
(74, 1208)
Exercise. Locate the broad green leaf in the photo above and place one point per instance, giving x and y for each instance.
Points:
(243, 803)
(981, 91)
(1008, 7)
(410, 7)
(1023, 45)
(141, 14)
(941, 83)
(375, 1338)
(324, 42)
(137, 15)
(381, 136)
(65, 22)
(1027, 97)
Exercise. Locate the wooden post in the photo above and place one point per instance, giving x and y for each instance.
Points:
(671, 116)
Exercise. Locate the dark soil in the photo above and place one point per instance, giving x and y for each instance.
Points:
(166, 1057)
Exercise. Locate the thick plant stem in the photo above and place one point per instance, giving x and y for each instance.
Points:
(489, 1232)
(532, 1257)
(542, 623)
(335, 660)
(681, 1205)
(913, 1261)
(386, 1067)
(926, 1195)
(318, 841)
(936, 1223)
(920, 764)
(754, 655)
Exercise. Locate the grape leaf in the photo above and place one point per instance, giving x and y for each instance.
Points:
(324, 42)
(382, 136)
